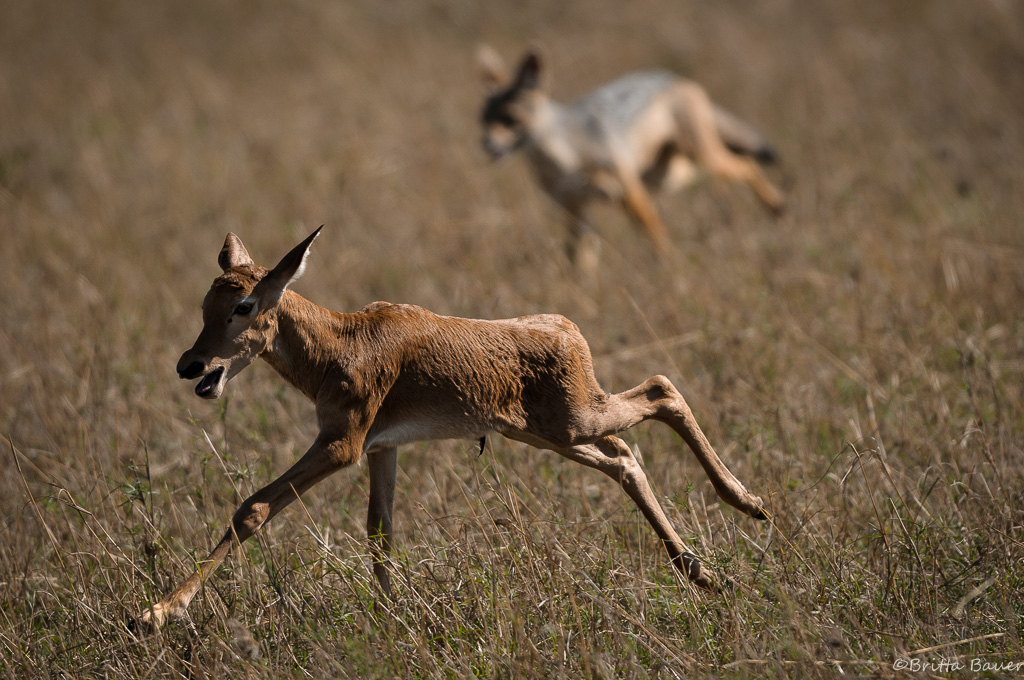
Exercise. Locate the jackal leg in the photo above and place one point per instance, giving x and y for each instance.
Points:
(383, 468)
(696, 113)
(582, 248)
(322, 459)
(722, 162)
(639, 206)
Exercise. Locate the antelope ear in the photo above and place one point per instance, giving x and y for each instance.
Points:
(272, 286)
(492, 68)
(531, 72)
(233, 254)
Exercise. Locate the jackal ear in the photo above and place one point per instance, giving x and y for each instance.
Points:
(492, 67)
(531, 72)
(272, 286)
(233, 254)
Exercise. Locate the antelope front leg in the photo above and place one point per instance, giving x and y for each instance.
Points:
(322, 459)
(383, 468)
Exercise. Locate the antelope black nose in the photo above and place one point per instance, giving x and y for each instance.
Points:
(193, 370)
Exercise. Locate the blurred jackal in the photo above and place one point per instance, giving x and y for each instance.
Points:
(646, 131)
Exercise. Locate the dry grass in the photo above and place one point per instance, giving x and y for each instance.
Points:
(858, 362)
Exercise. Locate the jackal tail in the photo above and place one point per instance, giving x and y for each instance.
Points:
(741, 138)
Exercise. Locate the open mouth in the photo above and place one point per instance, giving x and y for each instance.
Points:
(494, 150)
(499, 152)
(209, 382)
(495, 153)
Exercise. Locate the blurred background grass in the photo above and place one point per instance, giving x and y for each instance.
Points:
(858, 362)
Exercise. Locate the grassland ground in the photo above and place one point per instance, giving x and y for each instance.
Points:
(858, 362)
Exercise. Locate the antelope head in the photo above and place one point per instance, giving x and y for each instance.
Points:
(239, 315)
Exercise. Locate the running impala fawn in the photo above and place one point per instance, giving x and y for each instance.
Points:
(392, 374)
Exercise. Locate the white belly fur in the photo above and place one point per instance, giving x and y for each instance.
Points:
(409, 431)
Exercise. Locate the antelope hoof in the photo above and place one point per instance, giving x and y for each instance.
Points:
(757, 510)
(150, 622)
(691, 567)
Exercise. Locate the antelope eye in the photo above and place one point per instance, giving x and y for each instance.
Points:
(243, 308)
